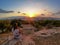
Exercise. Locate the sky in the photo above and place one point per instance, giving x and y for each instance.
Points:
(18, 7)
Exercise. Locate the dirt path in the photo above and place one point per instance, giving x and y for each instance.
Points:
(27, 40)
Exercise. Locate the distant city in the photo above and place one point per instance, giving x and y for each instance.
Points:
(25, 18)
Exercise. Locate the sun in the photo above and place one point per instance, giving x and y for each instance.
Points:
(31, 13)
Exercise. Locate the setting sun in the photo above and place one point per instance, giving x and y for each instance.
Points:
(31, 13)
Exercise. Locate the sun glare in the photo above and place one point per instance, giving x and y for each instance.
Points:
(31, 13)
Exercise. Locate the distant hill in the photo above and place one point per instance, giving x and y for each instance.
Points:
(25, 18)
(46, 18)
(14, 17)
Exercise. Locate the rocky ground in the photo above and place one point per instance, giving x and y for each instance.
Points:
(35, 39)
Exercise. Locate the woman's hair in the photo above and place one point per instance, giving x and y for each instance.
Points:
(15, 27)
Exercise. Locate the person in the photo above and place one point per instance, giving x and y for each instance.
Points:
(16, 32)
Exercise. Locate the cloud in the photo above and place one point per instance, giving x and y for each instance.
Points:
(56, 13)
(18, 12)
(4, 11)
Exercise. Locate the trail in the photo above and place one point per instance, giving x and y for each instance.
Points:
(27, 40)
